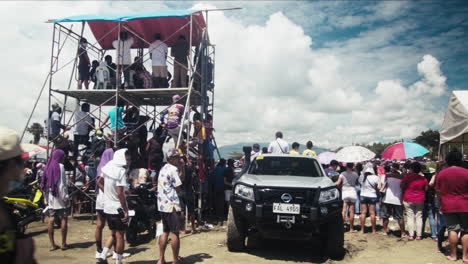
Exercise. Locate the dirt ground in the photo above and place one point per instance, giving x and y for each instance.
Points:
(209, 247)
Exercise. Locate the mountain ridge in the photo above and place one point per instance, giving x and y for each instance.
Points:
(227, 151)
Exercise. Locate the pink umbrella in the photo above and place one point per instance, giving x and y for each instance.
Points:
(32, 150)
(404, 150)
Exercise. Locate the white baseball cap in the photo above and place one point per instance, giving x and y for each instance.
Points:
(10, 146)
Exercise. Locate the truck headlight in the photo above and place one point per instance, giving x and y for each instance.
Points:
(329, 195)
(244, 192)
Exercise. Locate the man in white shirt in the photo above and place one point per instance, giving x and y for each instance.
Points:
(158, 51)
(84, 124)
(169, 184)
(124, 55)
(391, 203)
(115, 204)
(278, 146)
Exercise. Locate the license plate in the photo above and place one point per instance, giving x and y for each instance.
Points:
(284, 208)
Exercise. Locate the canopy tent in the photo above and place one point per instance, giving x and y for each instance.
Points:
(170, 24)
(455, 127)
(456, 118)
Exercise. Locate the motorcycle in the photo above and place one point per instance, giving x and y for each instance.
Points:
(25, 210)
(143, 203)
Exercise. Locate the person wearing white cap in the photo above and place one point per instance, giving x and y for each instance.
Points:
(15, 247)
(169, 185)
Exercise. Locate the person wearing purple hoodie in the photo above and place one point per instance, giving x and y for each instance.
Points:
(107, 156)
(55, 187)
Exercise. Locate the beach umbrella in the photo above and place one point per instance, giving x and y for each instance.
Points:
(326, 157)
(354, 154)
(32, 150)
(404, 150)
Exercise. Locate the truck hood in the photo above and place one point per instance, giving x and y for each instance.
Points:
(286, 181)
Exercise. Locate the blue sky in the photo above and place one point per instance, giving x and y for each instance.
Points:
(336, 72)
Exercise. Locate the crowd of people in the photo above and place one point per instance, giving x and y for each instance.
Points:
(411, 192)
(408, 192)
(135, 75)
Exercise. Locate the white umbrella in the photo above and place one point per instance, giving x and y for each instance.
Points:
(326, 157)
(354, 154)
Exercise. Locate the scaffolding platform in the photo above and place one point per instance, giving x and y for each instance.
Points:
(139, 97)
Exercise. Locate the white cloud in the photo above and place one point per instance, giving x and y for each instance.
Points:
(268, 76)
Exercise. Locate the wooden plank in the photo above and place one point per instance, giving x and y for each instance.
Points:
(155, 96)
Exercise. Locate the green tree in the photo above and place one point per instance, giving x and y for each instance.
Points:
(429, 139)
(36, 130)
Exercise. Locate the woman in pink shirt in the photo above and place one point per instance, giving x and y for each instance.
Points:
(414, 186)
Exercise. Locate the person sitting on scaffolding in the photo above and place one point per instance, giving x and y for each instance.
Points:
(116, 118)
(83, 65)
(92, 73)
(180, 51)
(158, 53)
(142, 78)
(124, 56)
(112, 70)
(174, 118)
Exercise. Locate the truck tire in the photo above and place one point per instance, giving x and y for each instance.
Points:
(131, 236)
(334, 239)
(235, 232)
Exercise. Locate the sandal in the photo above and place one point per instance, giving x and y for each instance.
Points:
(418, 238)
(53, 248)
(65, 247)
(410, 238)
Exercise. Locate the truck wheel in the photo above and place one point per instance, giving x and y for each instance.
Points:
(235, 233)
(334, 239)
(131, 236)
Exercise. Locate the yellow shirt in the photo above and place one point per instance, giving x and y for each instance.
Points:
(293, 152)
(309, 152)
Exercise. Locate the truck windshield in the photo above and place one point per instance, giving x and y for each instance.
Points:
(292, 166)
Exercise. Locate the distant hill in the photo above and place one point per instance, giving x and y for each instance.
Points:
(227, 150)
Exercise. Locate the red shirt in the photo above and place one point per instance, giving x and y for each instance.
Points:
(415, 188)
(452, 184)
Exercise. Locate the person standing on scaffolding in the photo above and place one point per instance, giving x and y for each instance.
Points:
(180, 51)
(124, 56)
(158, 52)
(83, 65)
(84, 125)
(174, 118)
(116, 118)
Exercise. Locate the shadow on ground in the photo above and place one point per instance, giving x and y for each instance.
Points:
(191, 259)
(300, 251)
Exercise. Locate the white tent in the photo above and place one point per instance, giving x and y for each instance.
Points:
(455, 127)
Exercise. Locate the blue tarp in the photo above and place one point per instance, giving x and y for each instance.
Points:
(128, 17)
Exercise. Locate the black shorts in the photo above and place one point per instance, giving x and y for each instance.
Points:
(457, 221)
(172, 222)
(115, 222)
(101, 214)
(59, 213)
(394, 210)
(83, 74)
